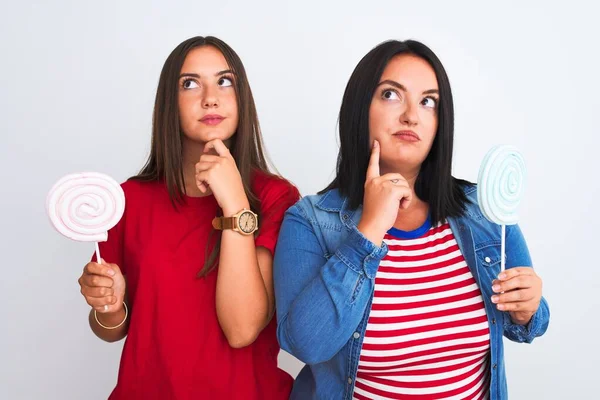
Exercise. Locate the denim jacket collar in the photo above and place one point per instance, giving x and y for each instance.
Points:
(332, 201)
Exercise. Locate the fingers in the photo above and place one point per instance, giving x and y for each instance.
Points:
(402, 192)
(203, 180)
(98, 275)
(95, 281)
(519, 290)
(115, 268)
(516, 278)
(523, 306)
(104, 269)
(209, 158)
(518, 282)
(96, 291)
(512, 272)
(204, 165)
(202, 186)
(521, 295)
(405, 202)
(373, 168)
(218, 146)
(100, 303)
(395, 178)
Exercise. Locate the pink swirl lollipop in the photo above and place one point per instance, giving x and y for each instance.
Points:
(85, 206)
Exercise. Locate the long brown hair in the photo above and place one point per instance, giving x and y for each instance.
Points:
(165, 162)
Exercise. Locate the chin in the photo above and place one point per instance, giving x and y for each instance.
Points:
(212, 135)
(402, 162)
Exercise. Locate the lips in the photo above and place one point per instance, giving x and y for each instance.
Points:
(407, 135)
(212, 119)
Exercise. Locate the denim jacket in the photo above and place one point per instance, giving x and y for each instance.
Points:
(324, 272)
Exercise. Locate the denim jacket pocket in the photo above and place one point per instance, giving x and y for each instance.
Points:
(488, 257)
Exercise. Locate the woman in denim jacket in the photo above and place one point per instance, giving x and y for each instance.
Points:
(388, 283)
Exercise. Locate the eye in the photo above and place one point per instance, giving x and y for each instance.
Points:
(430, 102)
(189, 84)
(225, 82)
(389, 94)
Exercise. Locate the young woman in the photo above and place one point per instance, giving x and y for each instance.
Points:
(187, 272)
(388, 283)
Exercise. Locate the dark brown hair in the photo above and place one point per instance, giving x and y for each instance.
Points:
(165, 162)
(435, 184)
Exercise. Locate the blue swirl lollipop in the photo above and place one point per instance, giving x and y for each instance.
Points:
(500, 189)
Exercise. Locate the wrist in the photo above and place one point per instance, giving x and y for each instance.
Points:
(111, 319)
(371, 232)
(230, 210)
(520, 317)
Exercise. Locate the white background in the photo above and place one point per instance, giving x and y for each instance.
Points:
(77, 85)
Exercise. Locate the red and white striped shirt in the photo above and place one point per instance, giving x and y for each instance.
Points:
(427, 336)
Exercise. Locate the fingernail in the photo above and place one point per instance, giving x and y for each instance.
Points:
(111, 272)
(494, 299)
(500, 306)
(375, 143)
(502, 276)
(496, 288)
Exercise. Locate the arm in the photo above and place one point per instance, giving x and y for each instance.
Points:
(244, 287)
(320, 301)
(528, 314)
(244, 296)
(104, 285)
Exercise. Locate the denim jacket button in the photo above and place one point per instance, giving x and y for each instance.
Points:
(356, 335)
(493, 321)
(349, 381)
(495, 366)
(487, 259)
(345, 217)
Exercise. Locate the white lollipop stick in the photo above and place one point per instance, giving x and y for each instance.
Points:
(84, 207)
(98, 256)
(501, 184)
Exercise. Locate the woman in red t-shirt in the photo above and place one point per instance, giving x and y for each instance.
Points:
(186, 274)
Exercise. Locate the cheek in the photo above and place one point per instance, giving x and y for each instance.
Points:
(377, 121)
(186, 108)
(231, 103)
(232, 110)
(430, 124)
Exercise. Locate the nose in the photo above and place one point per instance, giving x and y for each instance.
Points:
(210, 99)
(409, 116)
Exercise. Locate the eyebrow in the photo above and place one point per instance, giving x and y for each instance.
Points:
(192, 75)
(403, 88)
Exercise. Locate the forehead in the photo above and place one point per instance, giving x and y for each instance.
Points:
(207, 58)
(411, 71)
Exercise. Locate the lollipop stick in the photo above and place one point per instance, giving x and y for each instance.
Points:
(99, 259)
(502, 246)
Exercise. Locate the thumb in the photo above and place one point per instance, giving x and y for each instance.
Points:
(114, 267)
(373, 168)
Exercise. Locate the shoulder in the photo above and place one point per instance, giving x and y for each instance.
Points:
(482, 227)
(321, 205)
(472, 209)
(136, 190)
(270, 187)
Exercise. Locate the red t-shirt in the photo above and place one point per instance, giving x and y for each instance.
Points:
(175, 348)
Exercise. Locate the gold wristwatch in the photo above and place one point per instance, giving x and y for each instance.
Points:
(244, 222)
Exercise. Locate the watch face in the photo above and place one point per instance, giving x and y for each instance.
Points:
(247, 222)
